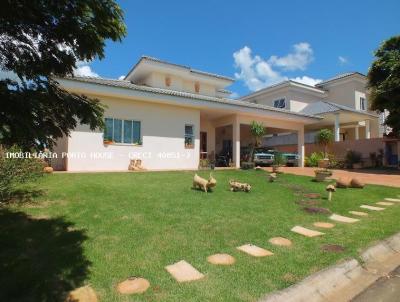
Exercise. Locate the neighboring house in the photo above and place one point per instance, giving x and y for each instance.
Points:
(342, 101)
(170, 116)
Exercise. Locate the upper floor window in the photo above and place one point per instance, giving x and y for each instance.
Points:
(189, 136)
(122, 131)
(280, 103)
(363, 105)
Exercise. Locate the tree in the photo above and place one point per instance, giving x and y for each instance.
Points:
(257, 130)
(324, 137)
(384, 82)
(41, 40)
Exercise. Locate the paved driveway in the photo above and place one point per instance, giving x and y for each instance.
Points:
(377, 177)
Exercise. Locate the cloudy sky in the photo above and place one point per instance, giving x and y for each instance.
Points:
(257, 42)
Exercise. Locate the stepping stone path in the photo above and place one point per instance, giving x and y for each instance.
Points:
(254, 250)
(306, 232)
(280, 241)
(221, 259)
(324, 225)
(385, 203)
(332, 248)
(312, 195)
(184, 272)
(82, 294)
(133, 285)
(371, 208)
(315, 210)
(358, 213)
(392, 199)
(344, 219)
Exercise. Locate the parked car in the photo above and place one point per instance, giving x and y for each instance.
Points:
(263, 157)
(291, 159)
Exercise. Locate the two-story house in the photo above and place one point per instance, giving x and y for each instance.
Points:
(170, 116)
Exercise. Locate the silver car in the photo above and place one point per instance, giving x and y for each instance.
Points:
(263, 157)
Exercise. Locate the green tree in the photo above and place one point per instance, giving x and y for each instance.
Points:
(40, 40)
(257, 130)
(384, 82)
(324, 137)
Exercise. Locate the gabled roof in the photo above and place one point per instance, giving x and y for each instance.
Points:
(323, 107)
(339, 77)
(287, 83)
(188, 68)
(142, 88)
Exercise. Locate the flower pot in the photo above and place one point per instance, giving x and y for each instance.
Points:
(323, 163)
(322, 175)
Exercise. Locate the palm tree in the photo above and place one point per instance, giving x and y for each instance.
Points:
(324, 138)
(257, 130)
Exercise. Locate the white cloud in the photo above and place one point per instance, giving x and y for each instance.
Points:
(343, 60)
(307, 80)
(258, 73)
(83, 69)
(298, 60)
(121, 77)
(254, 71)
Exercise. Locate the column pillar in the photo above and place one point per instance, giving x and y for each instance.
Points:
(337, 128)
(300, 146)
(356, 131)
(367, 129)
(236, 142)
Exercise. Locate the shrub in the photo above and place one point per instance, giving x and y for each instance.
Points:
(312, 160)
(247, 165)
(204, 163)
(279, 159)
(16, 171)
(352, 157)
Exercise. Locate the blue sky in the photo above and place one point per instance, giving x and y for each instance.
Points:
(258, 42)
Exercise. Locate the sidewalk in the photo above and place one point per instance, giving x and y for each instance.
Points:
(346, 280)
(386, 289)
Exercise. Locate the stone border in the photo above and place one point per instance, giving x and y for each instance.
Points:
(344, 281)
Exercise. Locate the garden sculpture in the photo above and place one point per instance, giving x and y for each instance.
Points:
(135, 165)
(330, 189)
(239, 186)
(203, 184)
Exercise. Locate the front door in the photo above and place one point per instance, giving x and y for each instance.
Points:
(203, 145)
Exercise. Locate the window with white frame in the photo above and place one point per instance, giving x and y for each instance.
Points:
(189, 136)
(363, 105)
(280, 103)
(122, 131)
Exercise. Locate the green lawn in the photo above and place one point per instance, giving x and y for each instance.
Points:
(99, 229)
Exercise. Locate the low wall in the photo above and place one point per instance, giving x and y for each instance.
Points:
(339, 149)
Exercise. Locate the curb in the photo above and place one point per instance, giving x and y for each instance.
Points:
(344, 281)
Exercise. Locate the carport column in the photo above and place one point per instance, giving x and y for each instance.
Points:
(357, 135)
(337, 128)
(236, 142)
(300, 146)
(367, 129)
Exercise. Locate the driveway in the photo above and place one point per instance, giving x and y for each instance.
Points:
(376, 177)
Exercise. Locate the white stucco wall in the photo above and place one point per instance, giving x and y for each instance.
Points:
(162, 128)
(157, 79)
(346, 93)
